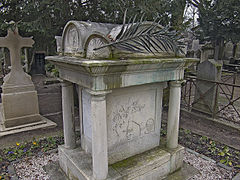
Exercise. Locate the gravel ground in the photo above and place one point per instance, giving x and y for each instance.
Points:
(31, 168)
(208, 169)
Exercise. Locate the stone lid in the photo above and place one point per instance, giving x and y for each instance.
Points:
(103, 41)
(110, 74)
(76, 33)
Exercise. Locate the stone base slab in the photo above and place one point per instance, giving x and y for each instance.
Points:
(154, 164)
(186, 172)
(42, 124)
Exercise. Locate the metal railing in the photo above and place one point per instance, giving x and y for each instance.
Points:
(226, 105)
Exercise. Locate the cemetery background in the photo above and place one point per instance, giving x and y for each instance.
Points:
(189, 125)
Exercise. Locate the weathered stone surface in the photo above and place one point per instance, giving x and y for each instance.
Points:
(133, 120)
(77, 35)
(206, 93)
(109, 74)
(19, 97)
(120, 101)
(154, 164)
(44, 123)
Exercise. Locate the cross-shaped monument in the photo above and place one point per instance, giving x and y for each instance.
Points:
(14, 42)
(19, 106)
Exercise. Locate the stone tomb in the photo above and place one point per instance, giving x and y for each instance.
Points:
(19, 108)
(120, 103)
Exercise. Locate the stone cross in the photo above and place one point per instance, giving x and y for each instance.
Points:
(14, 42)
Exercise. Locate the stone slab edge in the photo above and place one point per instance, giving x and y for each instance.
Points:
(29, 127)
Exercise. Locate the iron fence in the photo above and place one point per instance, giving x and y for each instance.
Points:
(227, 101)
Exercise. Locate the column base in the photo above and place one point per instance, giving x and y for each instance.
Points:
(154, 164)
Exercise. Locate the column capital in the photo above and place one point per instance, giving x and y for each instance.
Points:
(176, 83)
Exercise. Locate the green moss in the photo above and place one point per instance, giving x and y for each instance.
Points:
(139, 159)
(125, 163)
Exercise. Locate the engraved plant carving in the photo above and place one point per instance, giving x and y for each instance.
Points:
(123, 119)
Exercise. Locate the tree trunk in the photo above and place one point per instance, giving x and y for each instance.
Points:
(218, 49)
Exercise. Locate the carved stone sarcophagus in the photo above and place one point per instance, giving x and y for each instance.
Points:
(121, 71)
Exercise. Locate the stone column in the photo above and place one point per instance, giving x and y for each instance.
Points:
(173, 114)
(68, 115)
(99, 134)
(80, 111)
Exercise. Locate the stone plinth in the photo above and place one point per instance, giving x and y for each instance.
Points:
(154, 164)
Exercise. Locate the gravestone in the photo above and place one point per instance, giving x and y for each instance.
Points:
(19, 108)
(206, 93)
(120, 105)
(206, 52)
(59, 43)
(228, 50)
(38, 66)
(195, 47)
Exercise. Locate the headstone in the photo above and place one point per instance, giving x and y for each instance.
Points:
(206, 93)
(19, 106)
(238, 51)
(228, 50)
(59, 43)
(195, 47)
(38, 65)
(206, 51)
(120, 101)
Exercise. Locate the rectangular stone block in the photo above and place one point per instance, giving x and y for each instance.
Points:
(18, 121)
(20, 108)
(153, 165)
(176, 159)
(133, 120)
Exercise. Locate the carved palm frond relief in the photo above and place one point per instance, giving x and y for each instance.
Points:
(144, 37)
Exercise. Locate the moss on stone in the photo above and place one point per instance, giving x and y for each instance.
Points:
(139, 159)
